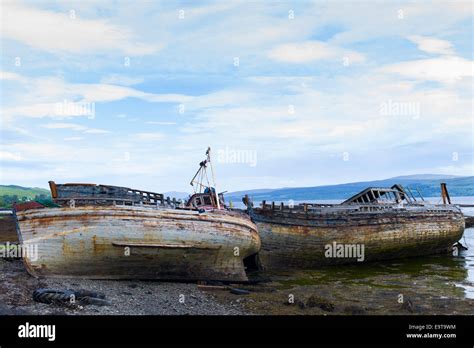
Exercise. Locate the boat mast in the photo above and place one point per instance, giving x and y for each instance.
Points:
(208, 153)
(197, 182)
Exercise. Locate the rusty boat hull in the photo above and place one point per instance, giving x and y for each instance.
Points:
(299, 238)
(133, 242)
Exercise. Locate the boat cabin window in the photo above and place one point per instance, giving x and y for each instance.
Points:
(203, 199)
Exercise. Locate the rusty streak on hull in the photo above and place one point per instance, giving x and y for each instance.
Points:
(299, 239)
(92, 242)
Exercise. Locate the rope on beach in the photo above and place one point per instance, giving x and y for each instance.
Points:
(83, 297)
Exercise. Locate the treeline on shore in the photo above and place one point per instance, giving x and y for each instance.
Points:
(7, 201)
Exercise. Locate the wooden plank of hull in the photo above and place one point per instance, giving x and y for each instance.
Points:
(7, 229)
(164, 246)
(387, 236)
(79, 242)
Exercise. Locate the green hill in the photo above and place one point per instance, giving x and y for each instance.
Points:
(10, 194)
(20, 191)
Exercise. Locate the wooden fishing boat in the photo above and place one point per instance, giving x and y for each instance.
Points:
(110, 232)
(376, 224)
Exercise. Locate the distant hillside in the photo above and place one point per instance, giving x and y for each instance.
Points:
(12, 193)
(427, 184)
(20, 191)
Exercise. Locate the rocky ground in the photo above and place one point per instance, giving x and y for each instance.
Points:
(125, 297)
(312, 293)
(298, 292)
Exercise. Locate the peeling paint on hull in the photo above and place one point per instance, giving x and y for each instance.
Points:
(298, 239)
(93, 242)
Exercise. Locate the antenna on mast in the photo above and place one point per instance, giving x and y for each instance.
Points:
(208, 153)
(197, 182)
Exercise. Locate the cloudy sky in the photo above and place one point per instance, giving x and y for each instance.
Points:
(290, 93)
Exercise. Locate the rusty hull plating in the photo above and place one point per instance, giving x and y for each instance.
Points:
(137, 242)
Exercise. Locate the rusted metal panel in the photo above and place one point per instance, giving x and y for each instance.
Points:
(92, 242)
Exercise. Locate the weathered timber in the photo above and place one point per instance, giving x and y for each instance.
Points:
(133, 242)
(84, 194)
(7, 228)
(295, 239)
(385, 222)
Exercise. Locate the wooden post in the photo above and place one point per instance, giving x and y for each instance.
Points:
(263, 205)
(273, 205)
(53, 188)
(445, 194)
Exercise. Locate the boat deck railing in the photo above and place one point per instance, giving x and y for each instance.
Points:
(117, 201)
(364, 207)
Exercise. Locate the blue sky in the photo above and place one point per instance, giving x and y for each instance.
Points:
(290, 93)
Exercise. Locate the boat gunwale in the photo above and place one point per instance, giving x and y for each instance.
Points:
(232, 219)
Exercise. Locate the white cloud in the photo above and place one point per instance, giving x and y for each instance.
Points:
(149, 136)
(6, 75)
(367, 20)
(96, 131)
(46, 96)
(34, 111)
(58, 32)
(116, 79)
(72, 126)
(164, 123)
(432, 45)
(309, 51)
(446, 69)
(462, 169)
(10, 156)
(75, 127)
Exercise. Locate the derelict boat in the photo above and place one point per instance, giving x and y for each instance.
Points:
(110, 232)
(376, 224)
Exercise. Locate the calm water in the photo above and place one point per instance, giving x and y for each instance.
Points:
(466, 261)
